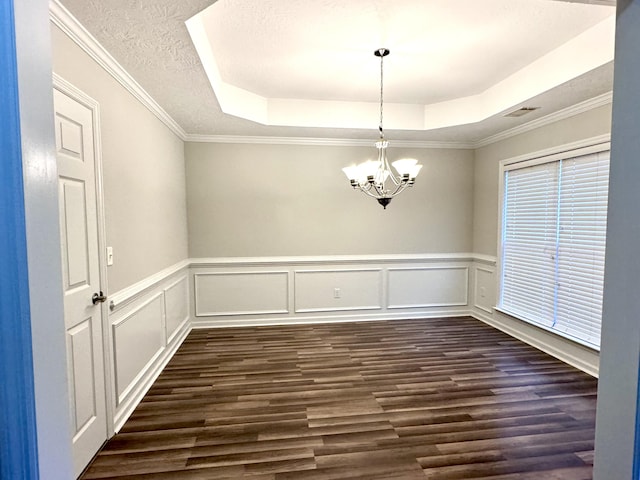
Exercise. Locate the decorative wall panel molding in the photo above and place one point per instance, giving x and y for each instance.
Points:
(138, 337)
(160, 306)
(484, 288)
(176, 306)
(231, 291)
(154, 316)
(241, 293)
(149, 322)
(427, 287)
(146, 378)
(338, 290)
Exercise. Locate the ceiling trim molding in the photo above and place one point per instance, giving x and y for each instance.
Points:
(578, 108)
(64, 20)
(339, 142)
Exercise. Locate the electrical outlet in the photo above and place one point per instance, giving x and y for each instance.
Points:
(336, 293)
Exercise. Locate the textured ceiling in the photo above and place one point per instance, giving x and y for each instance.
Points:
(150, 40)
(440, 49)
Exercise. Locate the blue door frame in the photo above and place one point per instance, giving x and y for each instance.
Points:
(18, 441)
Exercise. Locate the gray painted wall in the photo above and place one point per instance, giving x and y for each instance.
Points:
(487, 166)
(143, 166)
(249, 200)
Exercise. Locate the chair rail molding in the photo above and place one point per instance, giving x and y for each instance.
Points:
(131, 293)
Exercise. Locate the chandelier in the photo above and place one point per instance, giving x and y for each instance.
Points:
(375, 177)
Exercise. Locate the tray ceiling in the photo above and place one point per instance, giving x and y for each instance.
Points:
(456, 65)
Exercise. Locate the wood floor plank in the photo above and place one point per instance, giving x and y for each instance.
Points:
(446, 398)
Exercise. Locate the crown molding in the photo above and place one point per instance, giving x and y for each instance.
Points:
(582, 107)
(64, 20)
(578, 108)
(339, 142)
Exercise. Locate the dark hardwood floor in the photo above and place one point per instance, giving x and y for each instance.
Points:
(412, 399)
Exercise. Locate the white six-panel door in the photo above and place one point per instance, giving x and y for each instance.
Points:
(81, 276)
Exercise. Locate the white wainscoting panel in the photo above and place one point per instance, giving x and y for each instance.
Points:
(334, 290)
(415, 287)
(138, 338)
(241, 293)
(176, 306)
(485, 288)
(252, 291)
(149, 320)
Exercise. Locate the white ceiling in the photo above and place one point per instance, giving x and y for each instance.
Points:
(543, 53)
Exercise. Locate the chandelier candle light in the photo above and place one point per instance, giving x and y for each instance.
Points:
(375, 177)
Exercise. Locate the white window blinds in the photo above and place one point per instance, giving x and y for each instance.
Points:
(553, 243)
(529, 242)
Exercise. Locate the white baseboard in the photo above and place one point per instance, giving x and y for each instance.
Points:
(151, 373)
(569, 352)
(316, 319)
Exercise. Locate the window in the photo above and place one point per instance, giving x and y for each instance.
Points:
(553, 241)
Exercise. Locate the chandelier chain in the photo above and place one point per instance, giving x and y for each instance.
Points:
(381, 94)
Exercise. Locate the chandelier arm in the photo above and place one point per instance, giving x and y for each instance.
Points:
(381, 192)
(400, 188)
(384, 162)
(368, 193)
(379, 188)
(366, 188)
(396, 181)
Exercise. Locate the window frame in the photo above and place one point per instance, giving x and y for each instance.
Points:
(564, 152)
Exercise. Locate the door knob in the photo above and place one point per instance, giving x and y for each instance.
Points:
(98, 298)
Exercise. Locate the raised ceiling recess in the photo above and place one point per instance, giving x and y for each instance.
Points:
(308, 63)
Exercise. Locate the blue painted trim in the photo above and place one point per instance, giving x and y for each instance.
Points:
(18, 436)
(636, 440)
